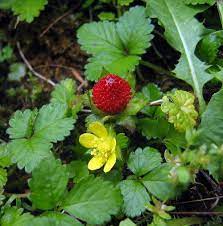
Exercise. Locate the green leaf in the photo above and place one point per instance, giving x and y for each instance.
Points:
(134, 31)
(144, 160)
(207, 49)
(93, 200)
(48, 184)
(5, 158)
(6, 4)
(106, 16)
(54, 219)
(186, 221)
(122, 140)
(28, 9)
(29, 153)
(6, 52)
(17, 71)
(159, 184)
(64, 92)
(15, 217)
(78, 170)
(153, 128)
(212, 121)
(124, 2)
(3, 177)
(51, 123)
(180, 109)
(127, 222)
(21, 124)
(136, 104)
(196, 2)
(115, 47)
(135, 197)
(183, 32)
(151, 92)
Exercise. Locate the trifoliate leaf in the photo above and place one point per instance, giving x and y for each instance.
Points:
(78, 170)
(196, 2)
(21, 124)
(180, 109)
(93, 200)
(183, 32)
(125, 2)
(29, 153)
(28, 9)
(144, 160)
(54, 219)
(15, 217)
(135, 197)
(64, 92)
(3, 177)
(115, 47)
(17, 72)
(48, 184)
(51, 123)
(212, 121)
(127, 222)
(207, 49)
(106, 16)
(159, 183)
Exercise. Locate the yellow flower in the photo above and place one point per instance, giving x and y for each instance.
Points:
(103, 147)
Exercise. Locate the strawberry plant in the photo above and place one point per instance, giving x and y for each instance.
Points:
(121, 124)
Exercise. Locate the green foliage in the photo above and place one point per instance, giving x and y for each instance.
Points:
(106, 16)
(158, 182)
(142, 161)
(3, 177)
(207, 49)
(15, 217)
(180, 109)
(212, 121)
(195, 2)
(34, 131)
(78, 170)
(93, 200)
(26, 10)
(115, 47)
(172, 15)
(125, 2)
(17, 71)
(48, 184)
(135, 197)
(127, 222)
(6, 52)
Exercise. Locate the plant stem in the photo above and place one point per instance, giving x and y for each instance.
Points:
(156, 68)
(220, 10)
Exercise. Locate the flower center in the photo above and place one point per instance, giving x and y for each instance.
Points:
(103, 147)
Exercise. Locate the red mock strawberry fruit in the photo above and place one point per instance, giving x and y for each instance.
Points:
(111, 94)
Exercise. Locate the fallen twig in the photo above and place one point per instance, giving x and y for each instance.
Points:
(31, 68)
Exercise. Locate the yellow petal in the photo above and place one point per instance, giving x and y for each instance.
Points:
(88, 140)
(110, 163)
(96, 163)
(98, 129)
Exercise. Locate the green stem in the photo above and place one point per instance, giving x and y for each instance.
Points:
(156, 68)
(220, 10)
